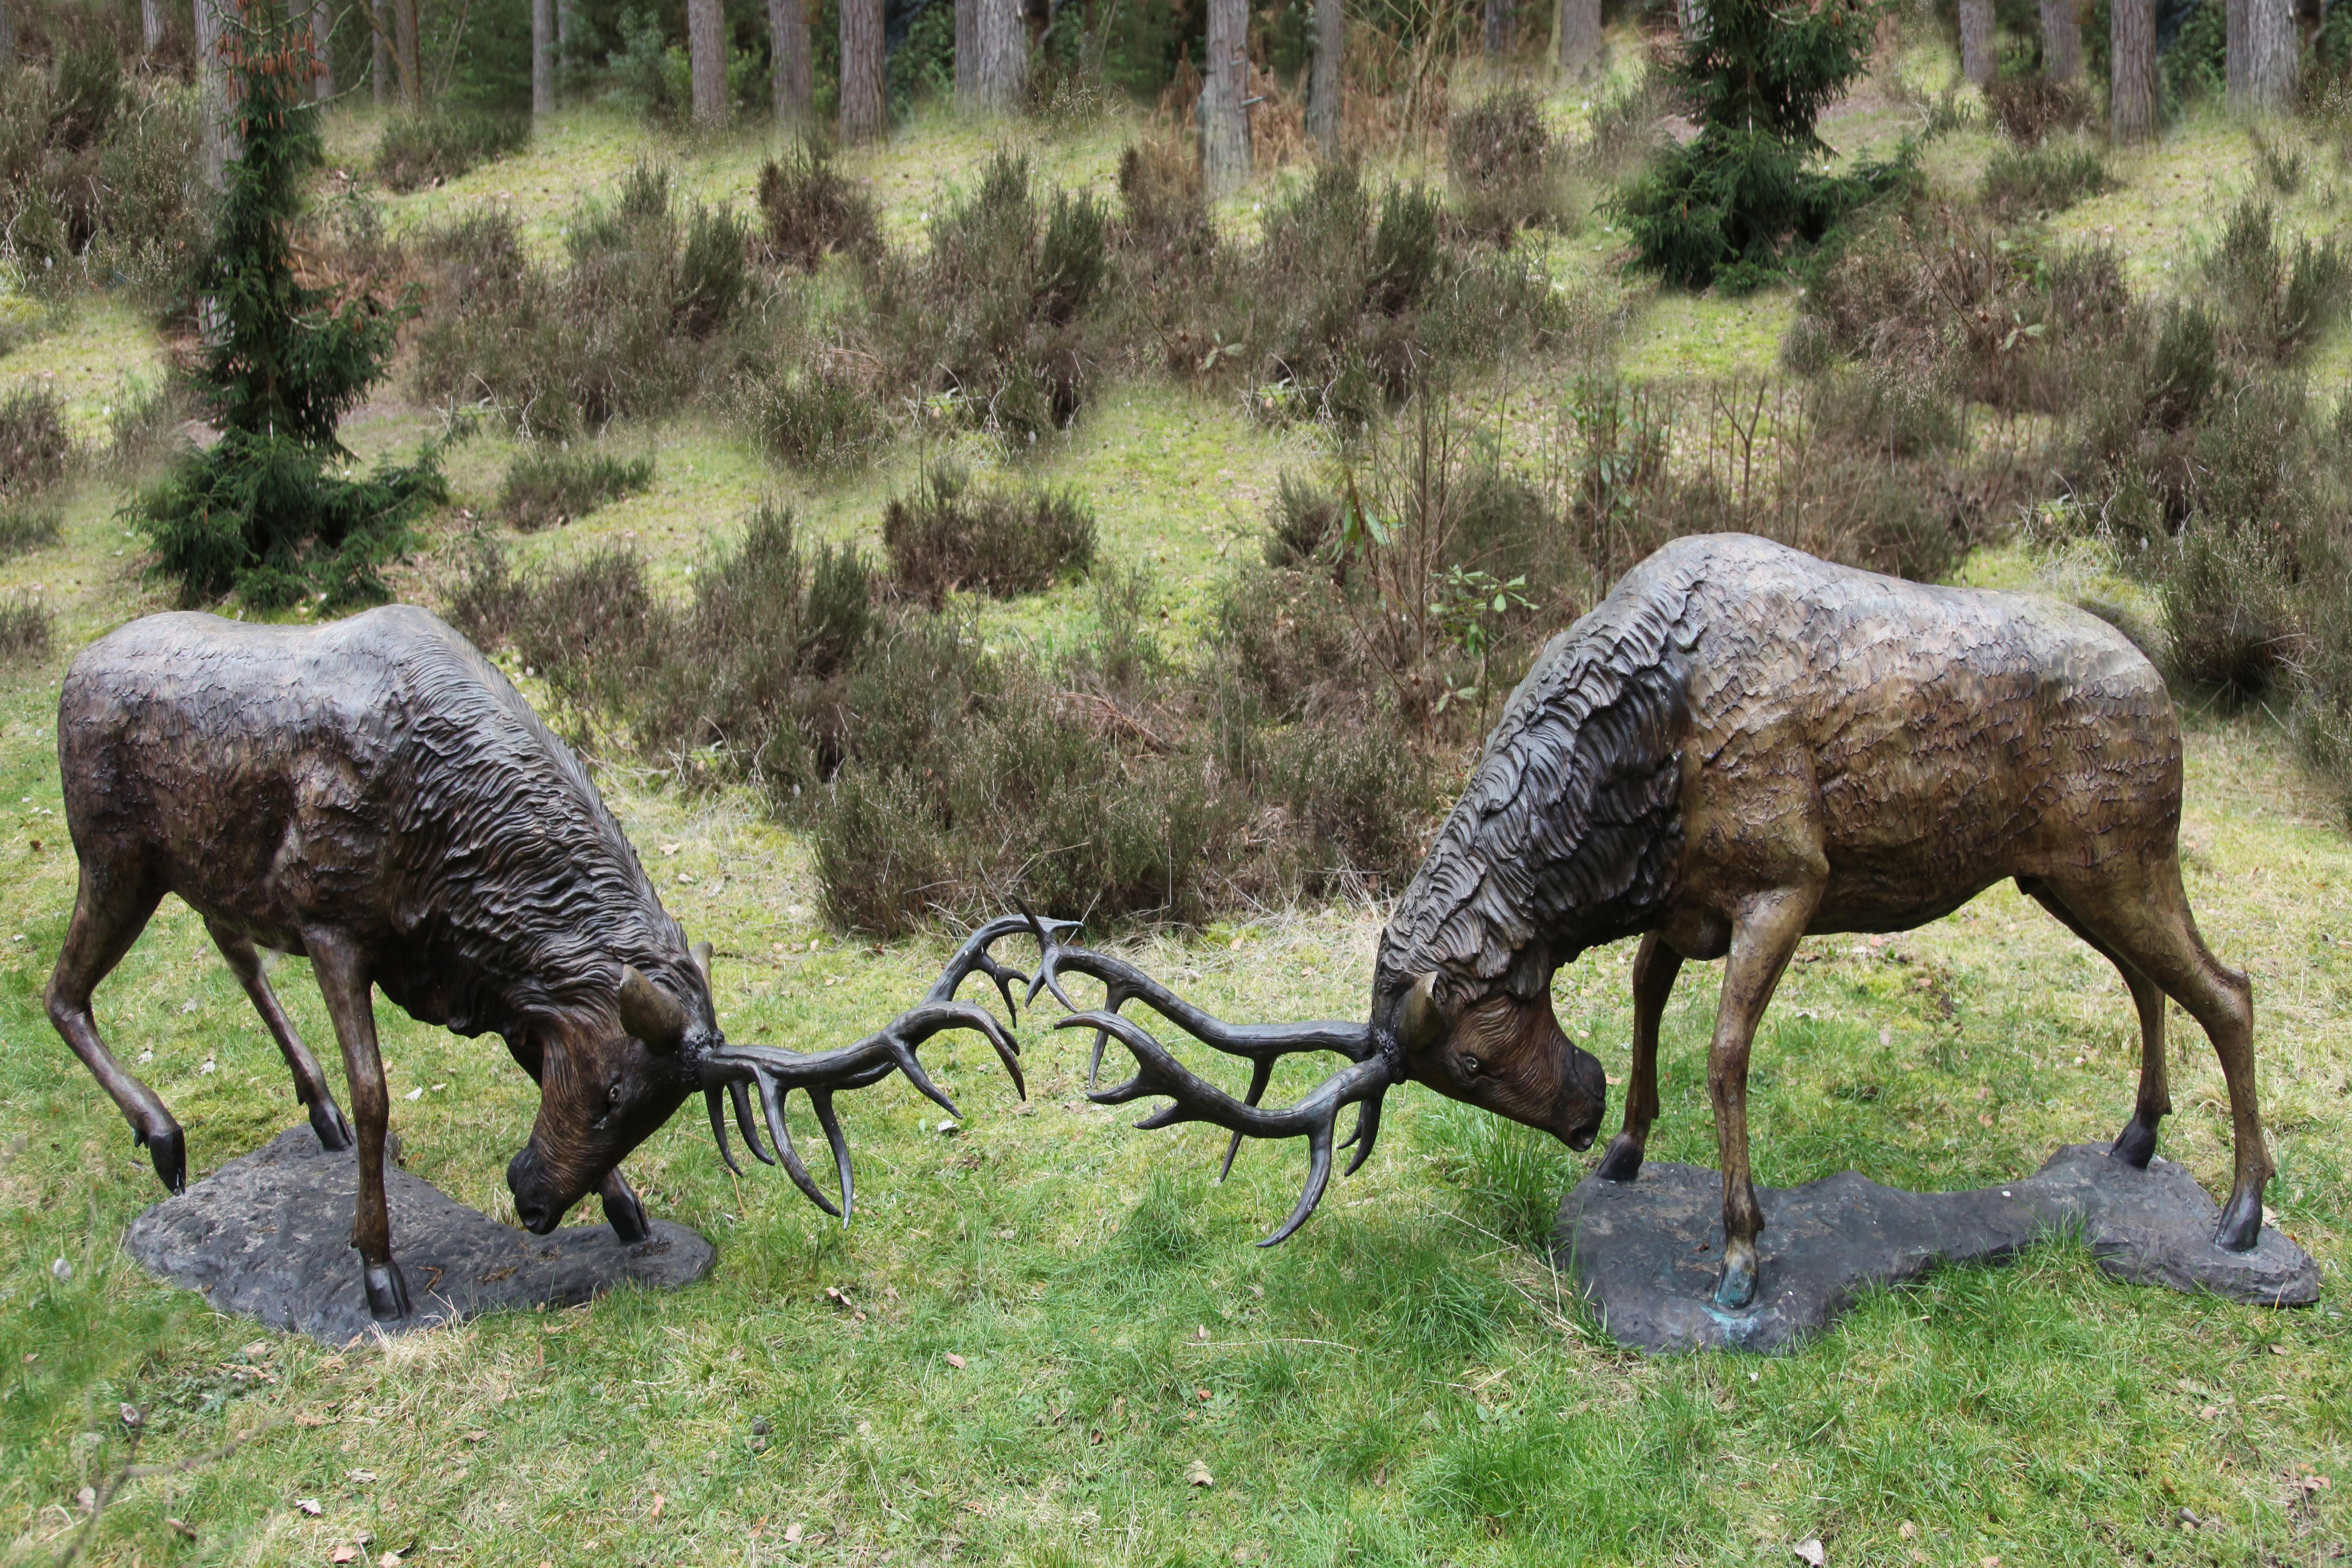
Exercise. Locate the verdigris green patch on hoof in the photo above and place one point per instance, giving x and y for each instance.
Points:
(267, 1235)
(1647, 1254)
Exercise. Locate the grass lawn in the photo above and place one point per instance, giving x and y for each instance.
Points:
(1047, 1338)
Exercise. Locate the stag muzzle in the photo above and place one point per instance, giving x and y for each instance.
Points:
(535, 1205)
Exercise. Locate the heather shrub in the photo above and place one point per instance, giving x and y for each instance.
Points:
(811, 210)
(544, 486)
(951, 534)
(27, 627)
(2042, 179)
(1504, 163)
(37, 451)
(433, 148)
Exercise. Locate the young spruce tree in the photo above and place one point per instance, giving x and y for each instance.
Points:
(265, 512)
(1728, 206)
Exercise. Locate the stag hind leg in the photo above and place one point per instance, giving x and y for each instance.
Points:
(2139, 912)
(112, 907)
(2136, 1144)
(310, 1088)
(1656, 966)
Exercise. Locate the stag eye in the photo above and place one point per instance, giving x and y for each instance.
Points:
(613, 1094)
(1470, 1064)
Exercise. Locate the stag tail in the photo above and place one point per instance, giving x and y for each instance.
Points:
(1372, 1067)
(739, 1071)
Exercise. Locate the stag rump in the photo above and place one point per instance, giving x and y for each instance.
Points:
(374, 794)
(1741, 746)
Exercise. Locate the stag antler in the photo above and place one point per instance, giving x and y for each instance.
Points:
(1363, 1084)
(775, 1073)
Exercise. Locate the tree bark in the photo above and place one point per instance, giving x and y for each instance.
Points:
(706, 52)
(1323, 81)
(2271, 50)
(1580, 36)
(967, 51)
(1224, 112)
(380, 51)
(212, 92)
(323, 51)
(2062, 40)
(1976, 41)
(2131, 96)
(788, 54)
(542, 59)
(999, 78)
(861, 70)
(406, 45)
(151, 24)
(1499, 25)
(1690, 17)
(8, 37)
(2233, 50)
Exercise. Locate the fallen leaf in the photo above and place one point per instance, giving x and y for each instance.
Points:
(180, 1525)
(1201, 1332)
(792, 1534)
(343, 1554)
(1198, 1474)
(363, 1476)
(309, 1418)
(310, 1506)
(658, 1500)
(389, 1560)
(476, 1436)
(955, 1361)
(1907, 1530)
(1810, 1549)
(1202, 1395)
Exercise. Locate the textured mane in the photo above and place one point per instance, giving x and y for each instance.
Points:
(1567, 835)
(515, 888)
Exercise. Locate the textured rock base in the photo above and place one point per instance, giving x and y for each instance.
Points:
(268, 1237)
(1645, 1254)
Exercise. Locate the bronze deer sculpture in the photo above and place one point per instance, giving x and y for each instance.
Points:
(375, 795)
(1742, 745)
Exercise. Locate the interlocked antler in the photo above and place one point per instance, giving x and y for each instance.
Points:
(1362, 1083)
(774, 1073)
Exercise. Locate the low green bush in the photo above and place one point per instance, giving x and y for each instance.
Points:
(28, 525)
(27, 627)
(558, 486)
(419, 149)
(951, 534)
(813, 210)
(37, 451)
(2042, 179)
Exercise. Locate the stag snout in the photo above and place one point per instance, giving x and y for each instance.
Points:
(1503, 1054)
(534, 1199)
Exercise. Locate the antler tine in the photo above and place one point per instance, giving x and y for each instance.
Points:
(822, 1100)
(772, 1100)
(1192, 1098)
(973, 954)
(718, 1128)
(742, 1102)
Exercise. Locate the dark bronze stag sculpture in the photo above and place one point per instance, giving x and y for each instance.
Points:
(1741, 746)
(375, 795)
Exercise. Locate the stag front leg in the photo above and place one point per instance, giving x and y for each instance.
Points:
(344, 981)
(622, 1212)
(109, 912)
(1654, 967)
(1763, 937)
(327, 1121)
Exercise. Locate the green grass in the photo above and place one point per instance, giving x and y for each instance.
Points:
(1406, 1381)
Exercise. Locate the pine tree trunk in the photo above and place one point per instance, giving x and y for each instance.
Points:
(1690, 17)
(542, 59)
(212, 92)
(1000, 67)
(2234, 55)
(1976, 41)
(151, 24)
(967, 53)
(2131, 95)
(323, 51)
(1224, 112)
(2062, 40)
(1580, 36)
(566, 13)
(788, 52)
(861, 70)
(1499, 25)
(406, 45)
(2272, 47)
(1323, 84)
(8, 37)
(380, 51)
(706, 53)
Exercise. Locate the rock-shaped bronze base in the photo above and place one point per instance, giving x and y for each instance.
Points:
(1645, 1252)
(268, 1235)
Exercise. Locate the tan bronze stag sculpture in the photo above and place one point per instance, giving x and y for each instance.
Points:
(1742, 745)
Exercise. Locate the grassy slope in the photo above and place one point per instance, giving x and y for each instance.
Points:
(1402, 1382)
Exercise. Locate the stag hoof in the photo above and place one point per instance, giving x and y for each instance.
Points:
(1622, 1163)
(1736, 1291)
(169, 1149)
(2241, 1222)
(2136, 1144)
(334, 1133)
(627, 1215)
(388, 1292)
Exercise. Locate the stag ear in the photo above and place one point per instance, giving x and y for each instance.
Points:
(702, 952)
(650, 1013)
(1421, 1023)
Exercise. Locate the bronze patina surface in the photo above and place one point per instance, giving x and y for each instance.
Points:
(1743, 744)
(375, 795)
